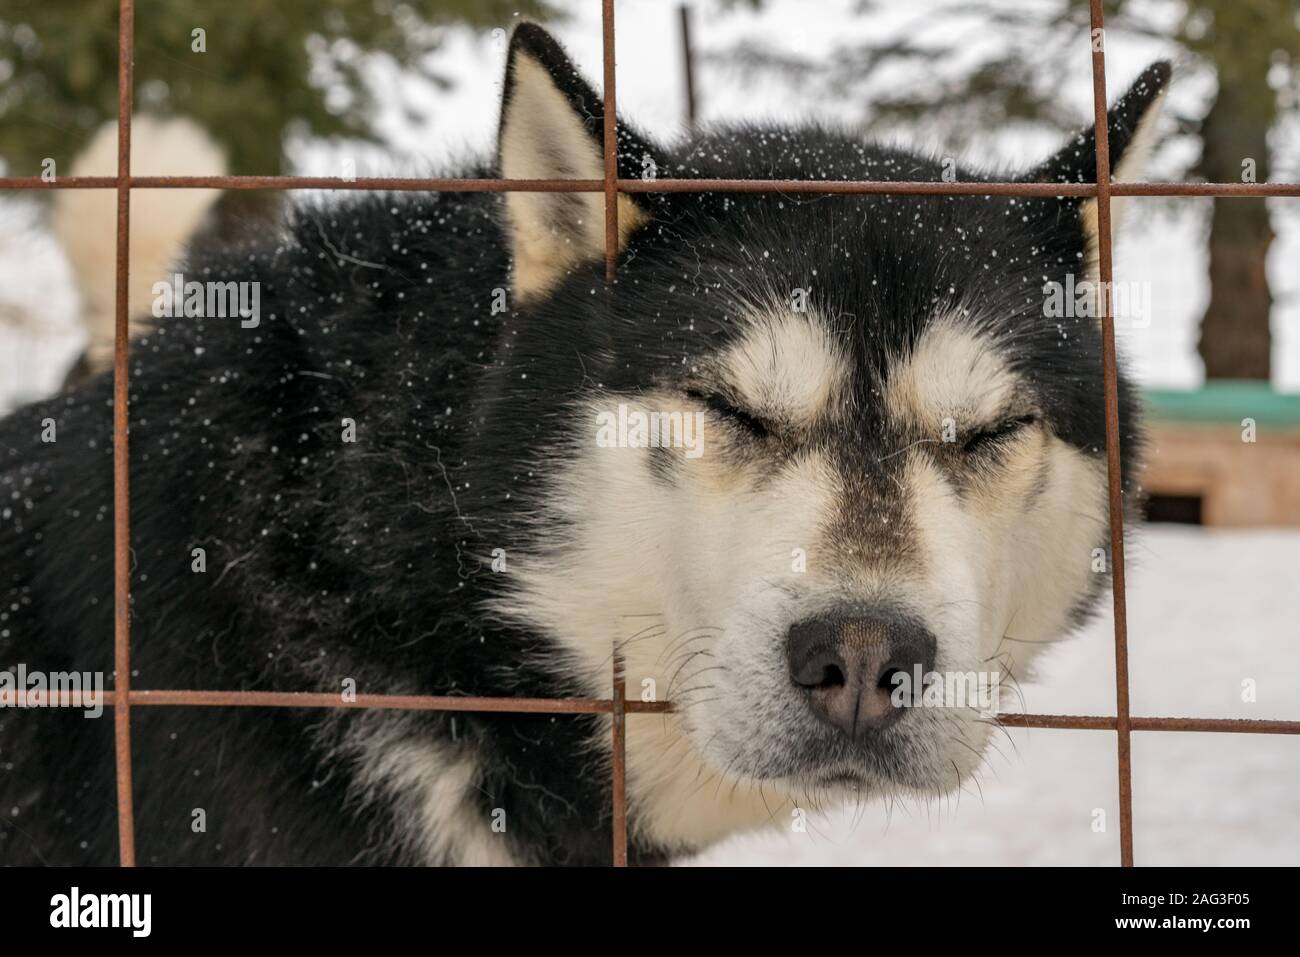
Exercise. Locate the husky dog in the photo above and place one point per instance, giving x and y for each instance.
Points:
(803, 446)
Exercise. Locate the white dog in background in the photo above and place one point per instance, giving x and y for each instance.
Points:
(58, 283)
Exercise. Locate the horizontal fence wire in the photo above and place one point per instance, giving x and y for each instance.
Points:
(574, 706)
(665, 185)
(123, 697)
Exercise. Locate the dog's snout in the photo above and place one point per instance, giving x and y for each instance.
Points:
(848, 665)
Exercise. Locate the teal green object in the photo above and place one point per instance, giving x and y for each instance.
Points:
(1225, 401)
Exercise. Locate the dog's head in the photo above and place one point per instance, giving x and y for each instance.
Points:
(806, 449)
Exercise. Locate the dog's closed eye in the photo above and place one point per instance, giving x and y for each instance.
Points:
(995, 436)
(721, 407)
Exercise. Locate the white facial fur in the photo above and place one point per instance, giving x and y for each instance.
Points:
(700, 576)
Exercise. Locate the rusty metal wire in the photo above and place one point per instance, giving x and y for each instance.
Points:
(123, 698)
(804, 186)
(121, 478)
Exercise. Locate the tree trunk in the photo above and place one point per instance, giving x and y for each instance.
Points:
(1235, 340)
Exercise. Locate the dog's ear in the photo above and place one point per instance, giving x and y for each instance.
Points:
(1130, 126)
(552, 127)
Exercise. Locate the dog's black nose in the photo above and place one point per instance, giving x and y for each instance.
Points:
(848, 663)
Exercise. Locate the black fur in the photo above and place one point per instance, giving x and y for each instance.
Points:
(328, 560)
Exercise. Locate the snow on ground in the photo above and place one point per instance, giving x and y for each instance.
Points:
(1207, 610)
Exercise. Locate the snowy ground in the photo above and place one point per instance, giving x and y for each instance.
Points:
(1207, 610)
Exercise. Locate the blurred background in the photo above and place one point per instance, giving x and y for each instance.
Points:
(375, 87)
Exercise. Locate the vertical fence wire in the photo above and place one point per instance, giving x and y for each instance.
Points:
(618, 764)
(618, 724)
(121, 477)
(1123, 737)
(611, 142)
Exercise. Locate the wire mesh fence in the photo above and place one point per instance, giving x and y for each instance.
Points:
(123, 698)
